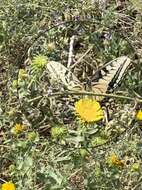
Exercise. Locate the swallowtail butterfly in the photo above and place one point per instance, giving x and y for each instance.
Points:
(105, 80)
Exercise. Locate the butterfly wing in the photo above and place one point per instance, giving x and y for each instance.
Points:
(105, 79)
(110, 76)
(61, 75)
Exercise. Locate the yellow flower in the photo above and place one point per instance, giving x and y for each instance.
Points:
(88, 110)
(139, 115)
(18, 128)
(114, 160)
(8, 186)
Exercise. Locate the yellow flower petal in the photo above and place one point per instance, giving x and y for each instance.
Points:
(18, 128)
(139, 115)
(88, 110)
(114, 160)
(8, 186)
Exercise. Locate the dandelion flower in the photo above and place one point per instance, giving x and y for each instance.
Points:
(88, 110)
(139, 115)
(8, 186)
(18, 128)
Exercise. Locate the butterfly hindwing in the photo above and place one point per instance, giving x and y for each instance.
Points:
(105, 79)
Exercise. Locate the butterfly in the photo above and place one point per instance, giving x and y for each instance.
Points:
(105, 79)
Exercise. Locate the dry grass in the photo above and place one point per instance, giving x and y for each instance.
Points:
(55, 150)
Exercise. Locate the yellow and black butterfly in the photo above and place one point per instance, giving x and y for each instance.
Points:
(105, 80)
(109, 77)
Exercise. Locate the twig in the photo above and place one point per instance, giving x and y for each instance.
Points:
(71, 51)
(138, 183)
(3, 82)
(80, 59)
(2, 180)
(66, 93)
(43, 31)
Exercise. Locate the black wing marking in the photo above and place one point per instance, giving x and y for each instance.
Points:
(111, 75)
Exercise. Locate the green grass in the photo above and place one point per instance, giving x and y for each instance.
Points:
(56, 151)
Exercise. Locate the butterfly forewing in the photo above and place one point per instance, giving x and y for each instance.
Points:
(60, 74)
(111, 75)
(105, 79)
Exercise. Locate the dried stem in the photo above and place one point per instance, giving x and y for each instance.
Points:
(71, 51)
(80, 59)
(66, 93)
